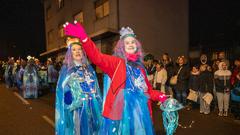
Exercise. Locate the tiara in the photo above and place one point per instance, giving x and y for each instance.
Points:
(71, 41)
(30, 57)
(124, 32)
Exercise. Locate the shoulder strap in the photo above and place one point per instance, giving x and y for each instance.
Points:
(179, 70)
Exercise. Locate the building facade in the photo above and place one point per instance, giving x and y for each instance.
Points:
(160, 25)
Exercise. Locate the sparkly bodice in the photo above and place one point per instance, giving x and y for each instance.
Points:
(135, 79)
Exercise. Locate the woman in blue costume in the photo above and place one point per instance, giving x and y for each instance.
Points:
(78, 98)
(8, 73)
(20, 74)
(30, 79)
(127, 106)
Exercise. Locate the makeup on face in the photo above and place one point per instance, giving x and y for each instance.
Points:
(77, 52)
(130, 45)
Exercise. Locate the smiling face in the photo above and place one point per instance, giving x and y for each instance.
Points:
(130, 45)
(77, 52)
(181, 61)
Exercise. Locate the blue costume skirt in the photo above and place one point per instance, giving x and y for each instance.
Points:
(85, 120)
(135, 120)
(30, 91)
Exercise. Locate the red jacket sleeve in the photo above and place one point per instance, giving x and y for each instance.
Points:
(106, 63)
(155, 95)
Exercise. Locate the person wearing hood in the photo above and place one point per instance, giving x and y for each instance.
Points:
(222, 84)
(127, 106)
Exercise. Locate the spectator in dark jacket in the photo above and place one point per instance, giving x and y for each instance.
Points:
(193, 83)
(168, 65)
(150, 66)
(205, 86)
(222, 84)
(181, 87)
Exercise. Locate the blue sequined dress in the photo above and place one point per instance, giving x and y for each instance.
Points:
(136, 118)
(30, 82)
(78, 102)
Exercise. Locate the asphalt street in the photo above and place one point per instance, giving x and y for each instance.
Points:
(25, 117)
(20, 116)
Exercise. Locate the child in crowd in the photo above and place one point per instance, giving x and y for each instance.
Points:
(193, 84)
(160, 77)
(205, 87)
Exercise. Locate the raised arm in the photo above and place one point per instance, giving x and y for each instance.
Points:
(106, 63)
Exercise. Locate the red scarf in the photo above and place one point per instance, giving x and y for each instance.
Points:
(132, 57)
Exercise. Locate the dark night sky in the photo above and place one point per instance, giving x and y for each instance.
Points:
(22, 28)
(212, 22)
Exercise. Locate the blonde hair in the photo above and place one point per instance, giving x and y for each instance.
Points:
(183, 58)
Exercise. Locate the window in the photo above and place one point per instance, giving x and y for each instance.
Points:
(60, 4)
(106, 8)
(79, 17)
(50, 38)
(60, 31)
(101, 8)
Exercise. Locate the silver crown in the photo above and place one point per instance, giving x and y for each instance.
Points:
(30, 57)
(126, 31)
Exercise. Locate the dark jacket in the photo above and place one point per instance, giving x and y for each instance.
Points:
(183, 76)
(194, 81)
(206, 82)
(151, 69)
(222, 80)
(170, 72)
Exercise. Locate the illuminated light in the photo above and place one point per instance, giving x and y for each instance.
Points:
(114, 129)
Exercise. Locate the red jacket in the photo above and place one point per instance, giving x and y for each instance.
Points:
(115, 67)
(234, 75)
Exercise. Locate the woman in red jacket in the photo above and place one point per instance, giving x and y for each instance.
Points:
(127, 108)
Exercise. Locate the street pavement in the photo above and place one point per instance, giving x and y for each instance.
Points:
(193, 123)
(19, 118)
(36, 117)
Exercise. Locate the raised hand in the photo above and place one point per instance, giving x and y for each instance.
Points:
(162, 97)
(75, 30)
